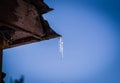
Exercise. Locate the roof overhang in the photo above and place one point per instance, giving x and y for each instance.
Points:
(25, 18)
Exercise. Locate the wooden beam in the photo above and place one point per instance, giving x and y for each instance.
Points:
(3, 43)
(0, 64)
(1, 54)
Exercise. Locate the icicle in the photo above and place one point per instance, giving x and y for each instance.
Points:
(61, 46)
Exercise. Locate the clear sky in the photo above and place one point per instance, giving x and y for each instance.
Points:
(91, 35)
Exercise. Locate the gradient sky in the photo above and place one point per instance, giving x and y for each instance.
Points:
(91, 35)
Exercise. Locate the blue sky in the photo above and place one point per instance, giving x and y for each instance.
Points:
(91, 35)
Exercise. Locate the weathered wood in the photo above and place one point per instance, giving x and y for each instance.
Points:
(25, 17)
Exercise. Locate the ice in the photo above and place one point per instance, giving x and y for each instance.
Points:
(61, 49)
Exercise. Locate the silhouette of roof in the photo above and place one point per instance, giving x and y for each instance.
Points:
(25, 17)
